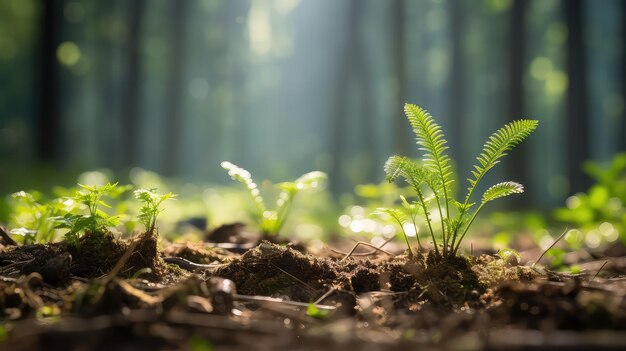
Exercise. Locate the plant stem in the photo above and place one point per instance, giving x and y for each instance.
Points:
(406, 238)
(419, 245)
(443, 230)
(283, 211)
(469, 224)
(430, 227)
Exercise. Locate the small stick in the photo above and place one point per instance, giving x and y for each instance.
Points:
(598, 272)
(8, 240)
(280, 301)
(366, 244)
(362, 253)
(190, 266)
(122, 261)
(551, 246)
(326, 294)
(294, 278)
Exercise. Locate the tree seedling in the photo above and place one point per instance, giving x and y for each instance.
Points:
(94, 221)
(150, 206)
(272, 221)
(432, 179)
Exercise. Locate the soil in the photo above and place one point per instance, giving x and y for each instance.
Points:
(99, 296)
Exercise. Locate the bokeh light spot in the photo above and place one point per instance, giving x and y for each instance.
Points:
(68, 53)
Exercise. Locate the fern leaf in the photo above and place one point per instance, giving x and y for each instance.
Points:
(431, 140)
(396, 167)
(415, 175)
(496, 147)
(311, 180)
(244, 177)
(396, 214)
(501, 190)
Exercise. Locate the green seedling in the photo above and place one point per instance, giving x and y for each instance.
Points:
(432, 179)
(31, 219)
(94, 221)
(272, 221)
(151, 202)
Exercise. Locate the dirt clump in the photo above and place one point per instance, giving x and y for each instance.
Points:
(198, 252)
(277, 271)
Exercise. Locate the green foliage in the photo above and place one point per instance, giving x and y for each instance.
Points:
(30, 219)
(315, 312)
(150, 206)
(496, 147)
(94, 221)
(271, 221)
(502, 190)
(509, 254)
(433, 177)
(600, 213)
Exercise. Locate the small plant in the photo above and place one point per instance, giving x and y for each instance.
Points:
(271, 221)
(151, 206)
(433, 178)
(599, 214)
(31, 218)
(95, 221)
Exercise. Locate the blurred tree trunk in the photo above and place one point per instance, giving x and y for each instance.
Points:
(338, 132)
(48, 118)
(173, 110)
(109, 155)
(578, 118)
(402, 142)
(622, 146)
(457, 100)
(132, 97)
(363, 81)
(517, 163)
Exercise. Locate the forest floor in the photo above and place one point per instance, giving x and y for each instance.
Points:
(258, 295)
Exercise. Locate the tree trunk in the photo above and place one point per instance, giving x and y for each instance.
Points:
(402, 143)
(132, 96)
(622, 145)
(577, 111)
(173, 110)
(457, 98)
(517, 163)
(344, 75)
(48, 121)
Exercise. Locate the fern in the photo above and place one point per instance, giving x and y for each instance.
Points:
(435, 174)
(151, 206)
(431, 140)
(501, 190)
(503, 140)
(271, 221)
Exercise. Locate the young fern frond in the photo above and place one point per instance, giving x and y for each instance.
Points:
(494, 192)
(437, 174)
(244, 177)
(496, 147)
(271, 221)
(416, 176)
(431, 140)
(502, 190)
